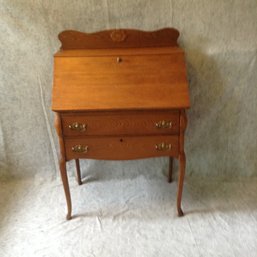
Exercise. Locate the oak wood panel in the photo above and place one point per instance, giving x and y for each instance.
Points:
(121, 123)
(118, 38)
(137, 82)
(121, 148)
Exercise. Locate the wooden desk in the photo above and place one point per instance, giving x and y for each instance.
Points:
(120, 95)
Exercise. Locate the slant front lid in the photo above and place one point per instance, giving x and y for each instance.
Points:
(120, 78)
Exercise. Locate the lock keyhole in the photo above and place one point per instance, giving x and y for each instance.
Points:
(118, 59)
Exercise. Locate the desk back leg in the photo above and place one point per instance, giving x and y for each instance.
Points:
(78, 171)
(170, 169)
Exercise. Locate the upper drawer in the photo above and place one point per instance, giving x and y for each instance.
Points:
(118, 123)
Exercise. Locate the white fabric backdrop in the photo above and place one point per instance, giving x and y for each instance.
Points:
(220, 40)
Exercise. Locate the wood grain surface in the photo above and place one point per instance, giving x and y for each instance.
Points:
(120, 82)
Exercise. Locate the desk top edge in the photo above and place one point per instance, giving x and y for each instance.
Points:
(132, 109)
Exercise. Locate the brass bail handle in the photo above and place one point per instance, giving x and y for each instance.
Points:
(80, 148)
(78, 126)
(164, 124)
(163, 147)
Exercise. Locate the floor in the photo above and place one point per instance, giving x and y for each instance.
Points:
(123, 213)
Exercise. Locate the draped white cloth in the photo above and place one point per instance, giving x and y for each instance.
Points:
(128, 208)
(219, 38)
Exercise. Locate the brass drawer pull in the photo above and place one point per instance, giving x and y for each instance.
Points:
(119, 59)
(79, 148)
(163, 147)
(164, 124)
(78, 126)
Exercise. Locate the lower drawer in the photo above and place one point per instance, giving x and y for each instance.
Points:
(121, 148)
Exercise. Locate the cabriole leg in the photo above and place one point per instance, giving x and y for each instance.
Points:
(62, 164)
(182, 160)
(182, 166)
(66, 187)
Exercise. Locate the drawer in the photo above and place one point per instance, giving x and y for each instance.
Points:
(118, 123)
(121, 148)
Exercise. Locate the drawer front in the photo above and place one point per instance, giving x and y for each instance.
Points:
(121, 148)
(121, 124)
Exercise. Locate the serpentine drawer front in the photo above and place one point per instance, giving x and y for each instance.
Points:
(120, 95)
(121, 148)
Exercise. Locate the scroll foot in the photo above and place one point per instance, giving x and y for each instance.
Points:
(180, 213)
(68, 216)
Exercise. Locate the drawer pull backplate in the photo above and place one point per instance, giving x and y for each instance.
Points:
(79, 148)
(163, 124)
(81, 127)
(163, 147)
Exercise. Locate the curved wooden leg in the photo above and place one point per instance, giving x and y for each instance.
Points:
(66, 187)
(182, 166)
(170, 169)
(78, 172)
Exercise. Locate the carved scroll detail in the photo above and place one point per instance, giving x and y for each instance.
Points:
(118, 35)
(118, 38)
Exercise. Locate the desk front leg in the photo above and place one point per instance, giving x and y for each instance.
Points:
(62, 165)
(65, 182)
(182, 166)
(182, 161)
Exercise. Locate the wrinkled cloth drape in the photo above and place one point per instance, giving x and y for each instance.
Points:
(219, 39)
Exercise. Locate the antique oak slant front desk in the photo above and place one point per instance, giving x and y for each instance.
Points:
(120, 95)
